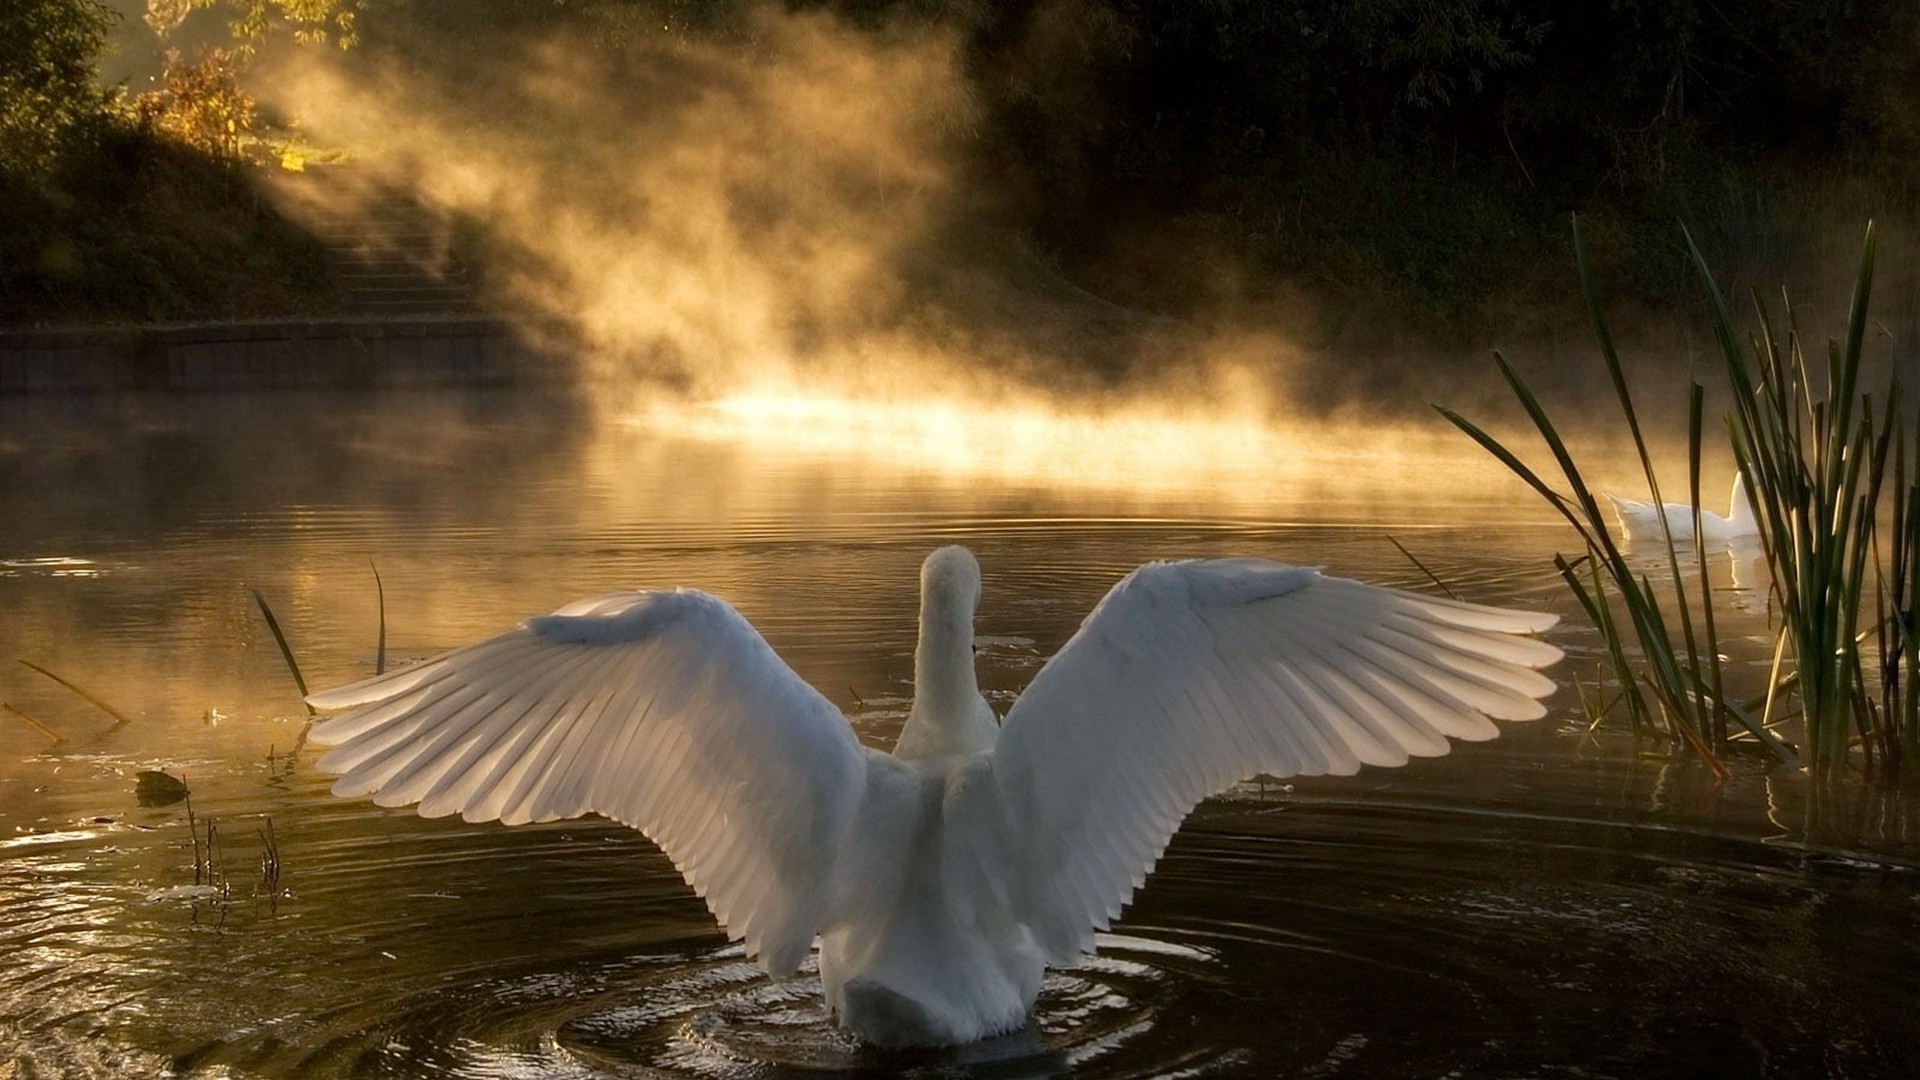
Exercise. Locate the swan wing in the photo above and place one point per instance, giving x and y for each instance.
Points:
(665, 711)
(1189, 677)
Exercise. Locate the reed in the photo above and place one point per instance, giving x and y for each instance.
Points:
(1665, 663)
(380, 591)
(286, 651)
(120, 719)
(34, 722)
(1415, 560)
(1815, 454)
(269, 884)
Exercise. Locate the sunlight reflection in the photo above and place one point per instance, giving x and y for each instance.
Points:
(52, 566)
(1131, 447)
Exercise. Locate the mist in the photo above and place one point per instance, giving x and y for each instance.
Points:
(799, 213)
(786, 212)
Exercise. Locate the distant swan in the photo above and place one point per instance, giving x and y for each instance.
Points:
(943, 878)
(1641, 520)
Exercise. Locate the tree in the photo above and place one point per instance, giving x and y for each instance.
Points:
(312, 21)
(48, 87)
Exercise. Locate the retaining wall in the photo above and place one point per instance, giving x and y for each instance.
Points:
(325, 353)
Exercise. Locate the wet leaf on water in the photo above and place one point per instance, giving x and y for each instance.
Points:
(184, 892)
(155, 788)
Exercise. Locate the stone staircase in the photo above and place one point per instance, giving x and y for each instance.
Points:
(391, 254)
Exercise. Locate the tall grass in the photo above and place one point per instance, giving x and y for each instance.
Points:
(1816, 455)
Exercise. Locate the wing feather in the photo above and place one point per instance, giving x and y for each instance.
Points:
(662, 710)
(1188, 677)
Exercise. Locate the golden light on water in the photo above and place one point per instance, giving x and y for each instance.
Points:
(1135, 447)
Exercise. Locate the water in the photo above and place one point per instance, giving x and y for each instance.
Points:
(1555, 904)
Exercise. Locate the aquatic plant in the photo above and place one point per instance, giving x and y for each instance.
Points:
(380, 651)
(269, 883)
(286, 651)
(1666, 681)
(120, 719)
(1815, 457)
(34, 722)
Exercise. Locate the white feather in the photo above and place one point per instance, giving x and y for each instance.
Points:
(1189, 677)
(665, 711)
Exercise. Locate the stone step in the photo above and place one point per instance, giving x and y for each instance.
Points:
(421, 237)
(401, 277)
(416, 307)
(423, 293)
(388, 251)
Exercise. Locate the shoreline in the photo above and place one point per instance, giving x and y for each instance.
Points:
(348, 352)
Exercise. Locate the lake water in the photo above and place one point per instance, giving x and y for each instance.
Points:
(1557, 903)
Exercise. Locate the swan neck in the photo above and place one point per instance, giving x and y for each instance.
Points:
(948, 716)
(943, 660)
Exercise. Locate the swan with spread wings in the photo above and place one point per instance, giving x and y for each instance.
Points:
(940, 879)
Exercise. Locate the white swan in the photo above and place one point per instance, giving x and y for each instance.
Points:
(1641, 520)
(942, 878)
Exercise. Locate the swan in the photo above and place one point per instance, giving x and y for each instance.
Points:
(1641, 520)
(940, 879)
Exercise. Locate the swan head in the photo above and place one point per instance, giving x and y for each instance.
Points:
(949, 716)
(950, 586)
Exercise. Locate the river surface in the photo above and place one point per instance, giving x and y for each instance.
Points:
(1559, 903)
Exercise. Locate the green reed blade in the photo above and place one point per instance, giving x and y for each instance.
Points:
(1514, 464)
(380, 591)
(1601, 615)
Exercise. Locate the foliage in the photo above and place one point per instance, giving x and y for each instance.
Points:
(311, 21)
(48, 93)
(138, 226)
(111, 209)
(1237, 109)
(202, 104)
(1815, 456)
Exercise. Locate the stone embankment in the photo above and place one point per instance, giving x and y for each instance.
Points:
(410, 317)
(345, 352)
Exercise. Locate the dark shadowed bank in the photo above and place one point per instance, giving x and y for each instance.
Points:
(333, 353)
(1370, 175)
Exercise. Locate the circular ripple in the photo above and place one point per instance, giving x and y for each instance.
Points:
(716, 1015)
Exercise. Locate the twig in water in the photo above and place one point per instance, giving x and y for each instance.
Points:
(120, 719)
(1435, 578)
(270, 866)
(286, 652)
(193, 833)
(42, 728)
